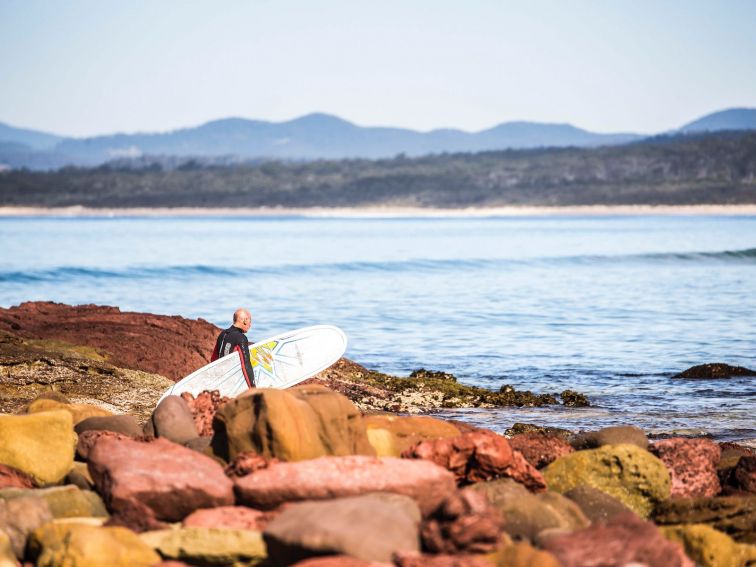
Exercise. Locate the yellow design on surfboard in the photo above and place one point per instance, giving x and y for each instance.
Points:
(261, 354)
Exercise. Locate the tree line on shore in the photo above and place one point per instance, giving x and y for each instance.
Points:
(677, 170)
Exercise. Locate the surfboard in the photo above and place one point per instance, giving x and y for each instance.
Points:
(278, 362)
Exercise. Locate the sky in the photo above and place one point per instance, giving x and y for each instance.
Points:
(88, 67)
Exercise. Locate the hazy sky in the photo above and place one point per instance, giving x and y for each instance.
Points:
(91, 67)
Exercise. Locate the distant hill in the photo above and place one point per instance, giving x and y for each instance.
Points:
(670, 170)
(731, 119)
(314, 136)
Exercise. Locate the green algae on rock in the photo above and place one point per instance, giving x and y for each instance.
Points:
(630, 474)
(709, 547)
(208, 546)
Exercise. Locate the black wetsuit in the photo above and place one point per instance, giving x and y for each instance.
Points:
(230, 340)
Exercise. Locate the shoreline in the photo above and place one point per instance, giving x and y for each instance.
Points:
(384, 212)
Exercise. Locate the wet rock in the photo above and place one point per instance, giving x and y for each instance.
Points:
(231, 517)
(523, 428)
(169, 480)
(623, 540)
(89, 546)
(464, 523)
(79, 412)
(203, 408)
(573, 399)
(62, 501)
(596, 505)
(207, 546)
(692, 465)
(88, 439)
(630, 474)
(715, 370)
(19, 517)
(335, 477)
(707, 546)
(129, 340)
(540, 449)
(735, 516)
(390, 435)
(14, 478)
(40, 445)
(173, 420)
(527, 515)
(303, 422)
(345, 526)
(618, 435)
(522, 554)
(478, 456)
(423, 374)
(124, 424)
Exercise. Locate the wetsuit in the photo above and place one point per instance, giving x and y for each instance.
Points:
(234, 340)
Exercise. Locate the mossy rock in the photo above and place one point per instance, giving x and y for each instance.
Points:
(41, 445)
(64, 501)
(633, 476)
(208, 546)
(72, 543)
(709, 547)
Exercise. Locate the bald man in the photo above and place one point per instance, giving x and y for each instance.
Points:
(233, 339)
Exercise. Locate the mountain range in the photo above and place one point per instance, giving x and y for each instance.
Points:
(316, 136)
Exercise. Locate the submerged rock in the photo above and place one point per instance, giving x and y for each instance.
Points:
(715, 370)
(573, 399)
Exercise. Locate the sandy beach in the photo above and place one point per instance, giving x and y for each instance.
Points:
(387, 212)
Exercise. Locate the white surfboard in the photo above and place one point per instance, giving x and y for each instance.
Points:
(278, 362)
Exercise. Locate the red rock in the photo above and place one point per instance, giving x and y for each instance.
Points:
(88, 439)
(14, 478)
(247, 462)
(203, 409)
(478, 456)
(231, 517)
(335, 561)
(168, 479)
(623, 540)
(464, 522)
(692, 465)
(744, 474)
(540, 450)
(334, 477)
(131, 340)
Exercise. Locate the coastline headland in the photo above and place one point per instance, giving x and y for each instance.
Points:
(343, 470)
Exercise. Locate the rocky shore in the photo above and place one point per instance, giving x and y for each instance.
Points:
(335, 472)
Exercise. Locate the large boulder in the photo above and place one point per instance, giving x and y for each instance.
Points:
(623, 540)
(709, 547)
(208, 546)
(334, 477)
(300, 423)
(346, 526)
(19, 517)
(732, 515)
(83, 545)
(527, 514)
(390, 435)
(539, 449)
(630, 474)
(478, 456)
(158, 477)
(63, 501)
(40, 445)
(173, 420)
(596, 505)
(692, 465)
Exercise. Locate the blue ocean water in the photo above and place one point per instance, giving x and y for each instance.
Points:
(609, 306)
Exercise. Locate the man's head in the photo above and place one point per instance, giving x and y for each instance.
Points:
(242, 319)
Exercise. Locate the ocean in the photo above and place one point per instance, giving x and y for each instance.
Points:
(610, 306)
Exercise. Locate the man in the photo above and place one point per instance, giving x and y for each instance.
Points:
(233, 339)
